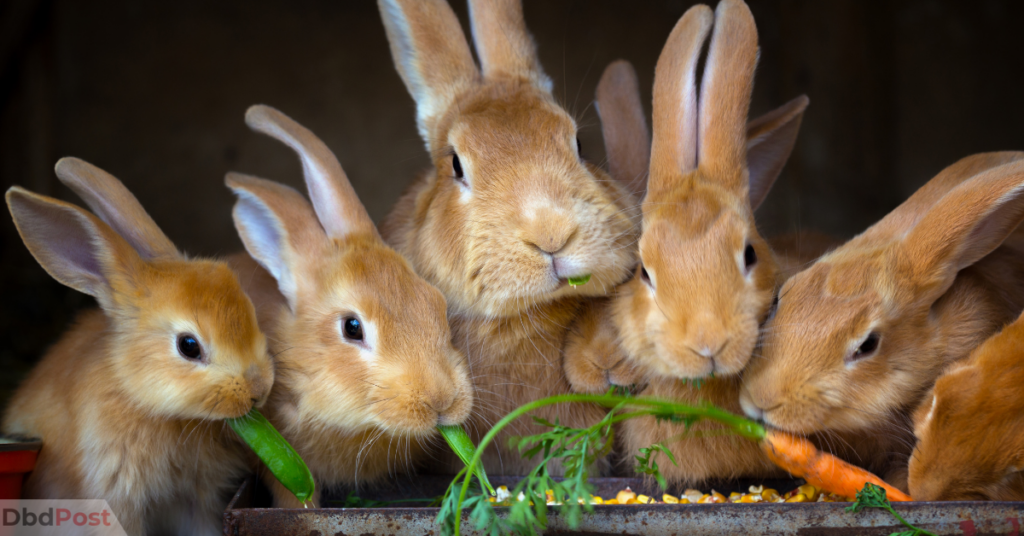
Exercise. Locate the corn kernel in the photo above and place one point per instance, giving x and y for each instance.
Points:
(684, 500)
(809, 491)
(750, 498)
(632, 501)
(611, 501)
(735, 496)
(643, 499)
(670, 499)
(756, 490)
(549, 495)
(625, 495)
(705, 499)
(596, 500)
(692, 494)
(769, 495)
(717, 497)
(799, 497)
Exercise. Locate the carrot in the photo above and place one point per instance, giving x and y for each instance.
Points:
(820, 469)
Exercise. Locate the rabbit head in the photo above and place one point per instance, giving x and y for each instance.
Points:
(186, 344)
(511, 210)
(857, 338)
(706, 278)
(364, 342)
(970, 431)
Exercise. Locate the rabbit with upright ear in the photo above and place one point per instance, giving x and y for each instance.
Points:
(970, 429)
(366, 365)
(130, 401)
(706, 279)
(509, 214)
(859, 337)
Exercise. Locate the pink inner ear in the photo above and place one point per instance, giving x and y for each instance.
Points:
(60, 238)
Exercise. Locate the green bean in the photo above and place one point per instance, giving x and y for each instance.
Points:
(463, 446)
(275, 452)
(577, 281)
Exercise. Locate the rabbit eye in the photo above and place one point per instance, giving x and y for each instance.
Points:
(579, 147)
(352, 328)
(457, 168)
(866, 348)
(775, 307)
(189, 347)
(645, 277)
(749, 257)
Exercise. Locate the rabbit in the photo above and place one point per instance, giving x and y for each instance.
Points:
(509, 213)
(970, 427)
(706, 279)
(366, 368)
(857, 339)
(130, 401)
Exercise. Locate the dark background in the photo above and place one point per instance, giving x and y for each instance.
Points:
(155, 92)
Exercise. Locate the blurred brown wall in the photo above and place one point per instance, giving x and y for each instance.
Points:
(155, 92)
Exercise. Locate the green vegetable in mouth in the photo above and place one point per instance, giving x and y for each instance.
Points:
(276, 453)
(577, 281)
(463, 446)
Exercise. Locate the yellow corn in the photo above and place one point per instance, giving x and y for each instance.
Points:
(643, 499)
(735, 496)
(625, 495)
(799, 497)
(769, 495)
(670, 499)
(596, 500)
(809, 491)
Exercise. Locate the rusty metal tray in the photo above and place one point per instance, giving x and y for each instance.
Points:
(244, 516)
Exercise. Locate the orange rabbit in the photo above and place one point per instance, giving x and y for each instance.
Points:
(509, 213)
(366, 368)
(707, 278)
(129, 402)
(859, 337)
(970, 431)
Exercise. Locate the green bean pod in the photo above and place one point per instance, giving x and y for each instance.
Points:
(463, 446)
(276, 453)
(577, 281)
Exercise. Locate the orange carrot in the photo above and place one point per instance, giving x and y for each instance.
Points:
(820, 469)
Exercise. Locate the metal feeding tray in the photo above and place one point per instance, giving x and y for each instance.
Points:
(248, 514)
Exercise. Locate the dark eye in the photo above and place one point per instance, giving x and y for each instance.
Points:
(749, 257)
(353, 329)
(644, 276)
(189, 347)
(775, 306)
(457, 168)
(867, 348)
(579, 148)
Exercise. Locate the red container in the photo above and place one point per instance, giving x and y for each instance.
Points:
(17, 458)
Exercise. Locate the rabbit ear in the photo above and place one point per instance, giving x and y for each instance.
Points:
(503, 43)
(674, 147)
(965, 225)
(431, 54)
(116, 206)
(770, 140)
(72, 245)
(726, 88)
(337, 206)
(623, 125)
(278, 228)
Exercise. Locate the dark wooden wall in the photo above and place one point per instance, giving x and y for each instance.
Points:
(155, 92)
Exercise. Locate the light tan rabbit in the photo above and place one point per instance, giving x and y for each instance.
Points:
(510, 211)
(859, 337)
(129, 402)
(707, 278)
(365, 360)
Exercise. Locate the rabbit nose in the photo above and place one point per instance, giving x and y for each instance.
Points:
(550, 231)
(259, 387)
